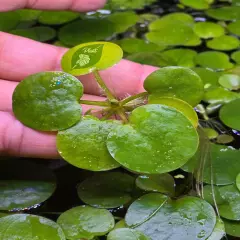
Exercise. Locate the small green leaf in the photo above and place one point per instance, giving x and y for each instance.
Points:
(223, 43)
(106, 190)
(225, 139)
(84, 145)
(177, 82)
(48, 101)
(126, 4)
(208, 30)
(57, 17)
(150, 136)
(28, 14)
(183, 107)
(85, 222)
(219, 95)
(41, 33)
(229, 114)
(232, 228)
(230, 81)
(224, 13)
(234, 27)
(88, 30)
(136, 45)
(120, 224)
(236, 57)
(8, 20)
(179, 57)
(29, 227)
(214, 60)
(126, 233)
(88, 57)
(227, 199)
(163, 183)
(200, 4)
(123, 20)
(238, 181)
(211, 133)
(187, 218)
(218, 231)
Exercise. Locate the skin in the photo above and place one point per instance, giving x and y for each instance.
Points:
(20, 57)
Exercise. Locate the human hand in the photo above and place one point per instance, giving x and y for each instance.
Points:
(20, 57)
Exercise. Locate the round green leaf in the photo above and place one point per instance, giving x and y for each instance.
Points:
(147, 17)
(84, 145)
(219, 95)
(126, 4)
(28, 14)
(238, 181)
(85, 222)
(200, 4)
(225, 138)
(234, 27)
(208, 30)
(178, 82)
(88, 57)
(149, 135)
(211, 133)
(179, 57)
(41, 34)
(232, 228)
(106, 190)
(123, 20)
(48, 101)
(224, 43)
(224, 13)
(183, 107)
(29, 227)
(57, 17)
(218, 231)
(227, 199)
(120, 224)
(229, 114)
(136, 45)
(149, 58)
(208, 76)
(214, 60)
(126, 233)
(24, 191)
(88, 30)
(236, 57)
(230, 81)
(8, 20)
(163, 183)
(185, 219)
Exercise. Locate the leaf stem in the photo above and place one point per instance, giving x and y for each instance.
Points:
(95, 103)
(122, 115)
(129, 99)
(103, 85)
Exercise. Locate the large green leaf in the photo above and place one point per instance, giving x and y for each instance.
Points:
(163, 183)
(178, 82)
(228, 13)
(227, 199)
(28, 14)
(57, 17)
(200, 4)
(218, 231)
(29, 227)
(187, 218)
(214, 60)
(126, 4)
(84, 145)
(48, 101)
(106, 190)
(85, 222)
(8, 20)
(232, 228)
(41, 33)
(229, 114)
(158, 133)
(89, 57)
(127, 234)
(87, 30)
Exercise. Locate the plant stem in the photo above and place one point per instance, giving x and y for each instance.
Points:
(95, 103)
(103, 85)
(122, 116)
(129, 99)
(108, 115)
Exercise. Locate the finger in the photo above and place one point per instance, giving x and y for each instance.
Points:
(20, 57)
(75, 5)
(7, 89)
